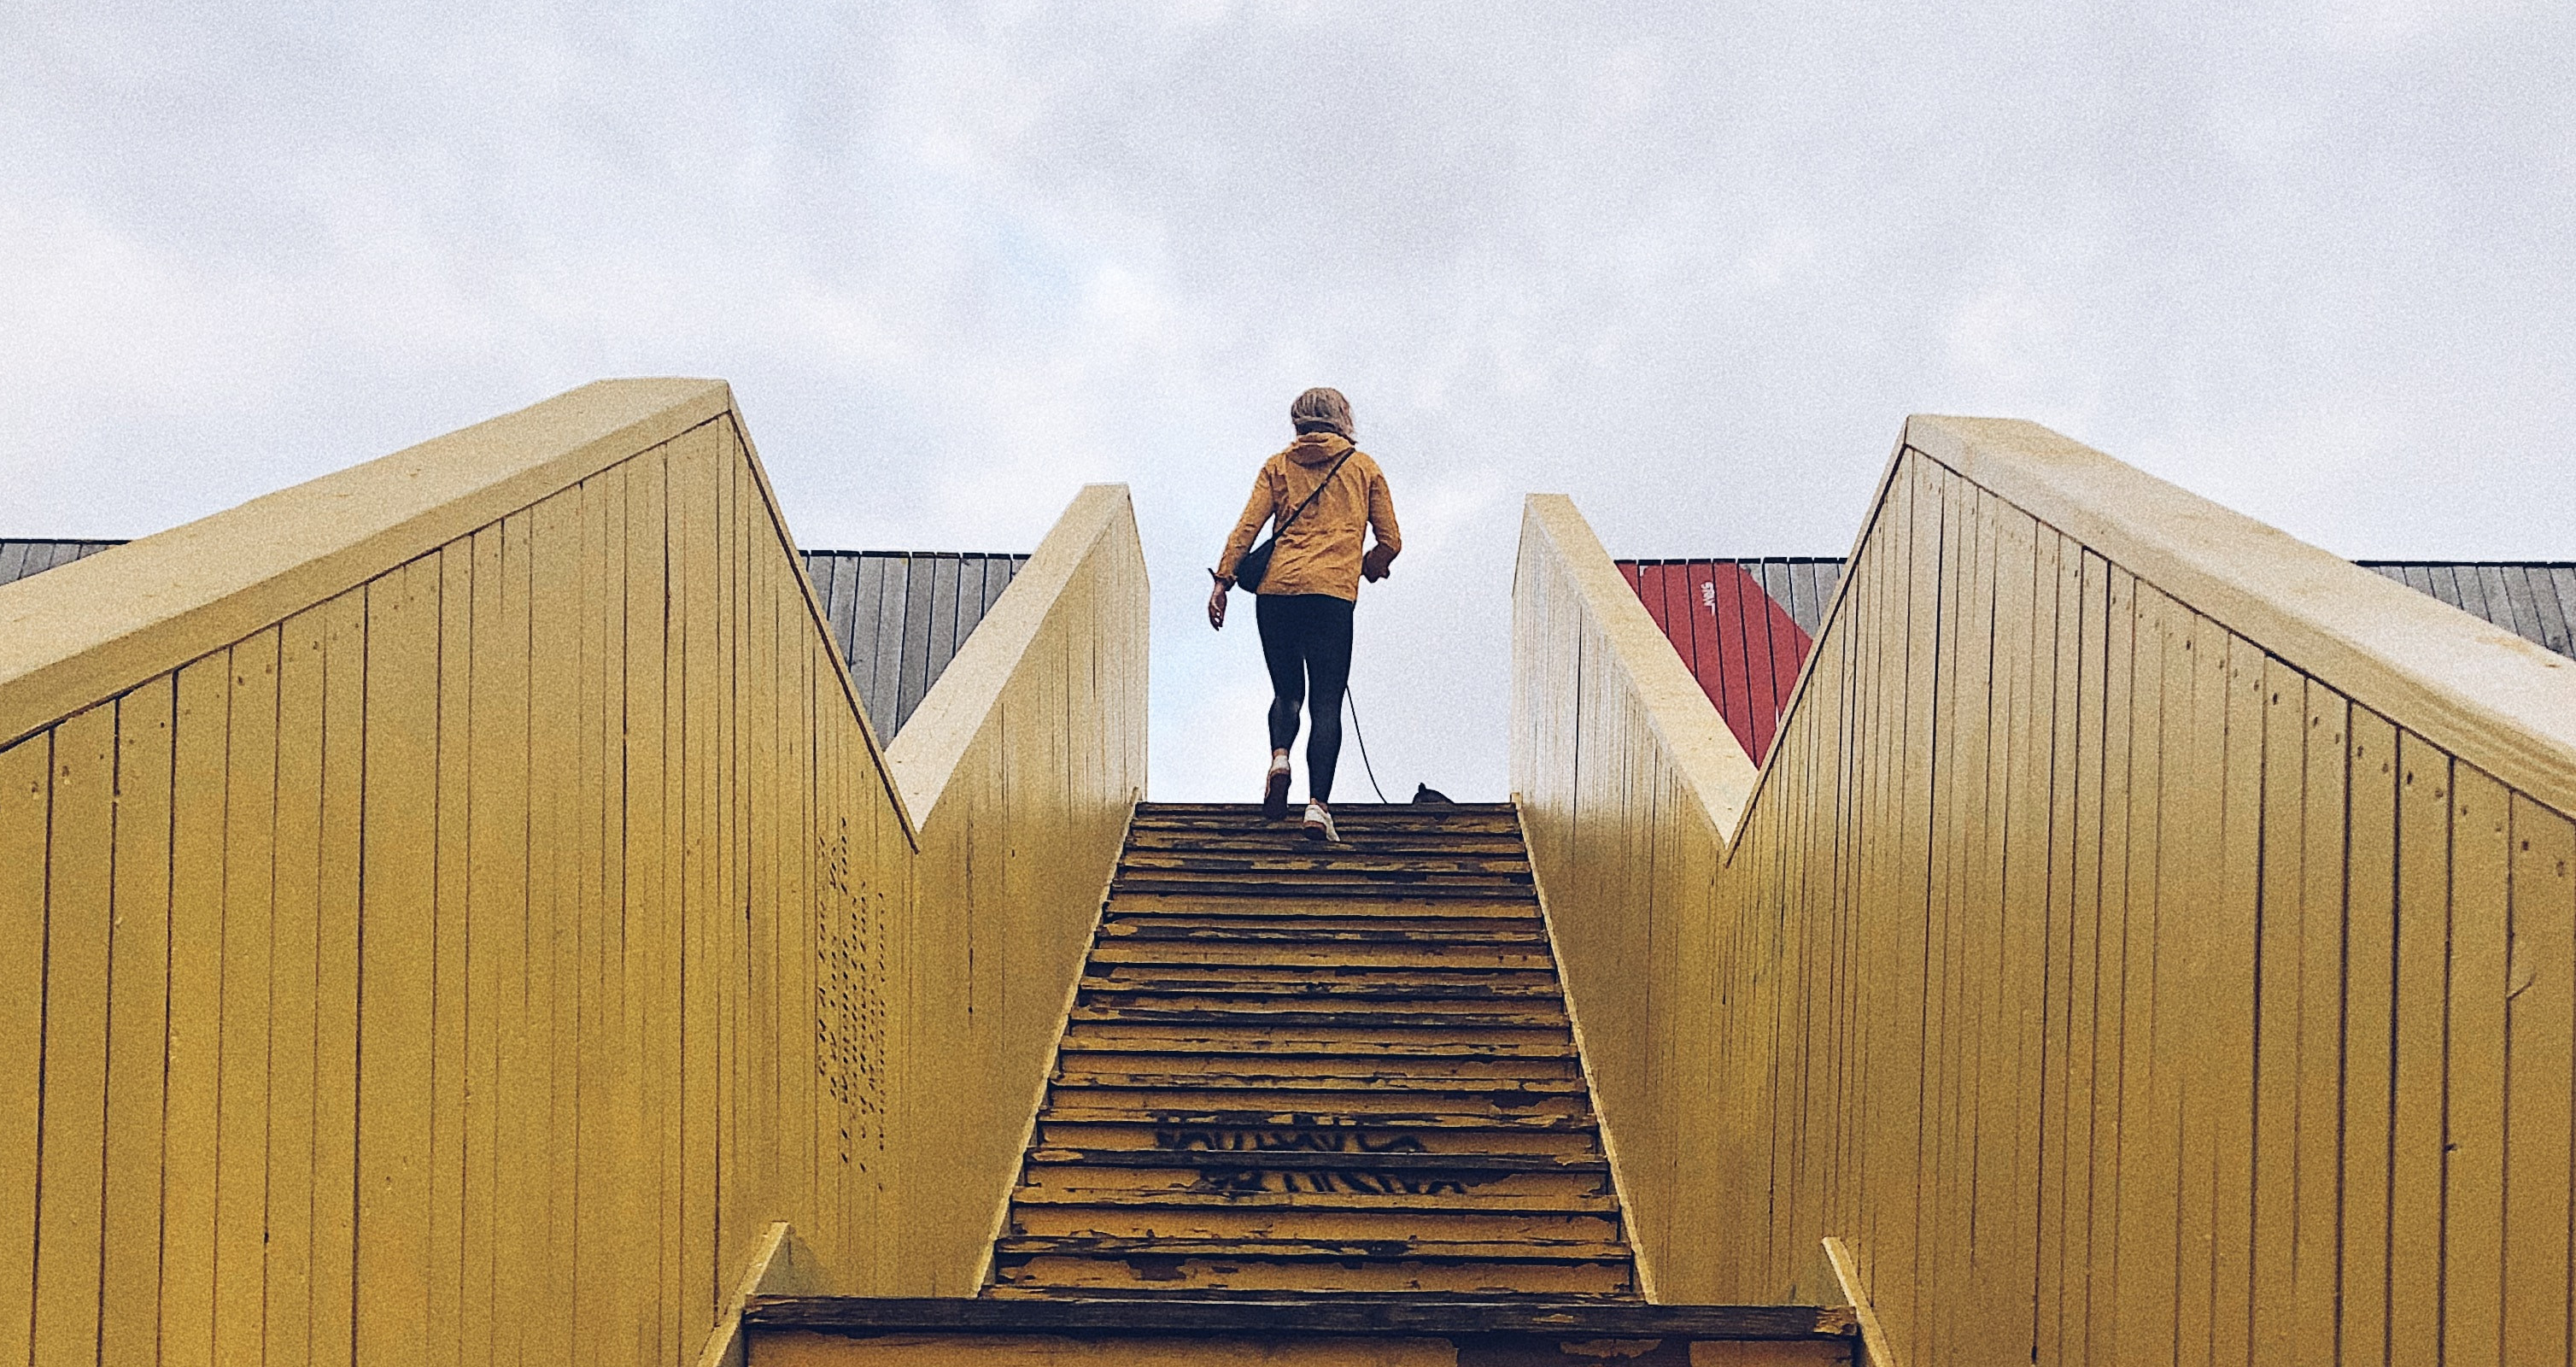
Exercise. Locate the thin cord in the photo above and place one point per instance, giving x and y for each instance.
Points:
(1365, 766)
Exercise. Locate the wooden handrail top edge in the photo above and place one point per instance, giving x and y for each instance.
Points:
(924, 756)
(2475, 689)
(89, 631)
(1710, 760)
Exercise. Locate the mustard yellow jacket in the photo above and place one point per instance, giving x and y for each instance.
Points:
(1320, 551)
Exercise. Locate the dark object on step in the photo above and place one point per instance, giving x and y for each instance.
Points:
(1424, 795)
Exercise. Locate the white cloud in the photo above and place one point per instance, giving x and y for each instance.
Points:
(958, 259)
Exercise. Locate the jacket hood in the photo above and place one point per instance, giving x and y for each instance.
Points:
(1317, 448)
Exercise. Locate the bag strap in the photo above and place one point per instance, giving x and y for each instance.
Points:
(1282, 528)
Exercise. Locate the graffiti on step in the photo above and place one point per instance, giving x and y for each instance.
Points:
(1327, 1182)
(849, 1004)
(1324, 1139)
(1313, 1139)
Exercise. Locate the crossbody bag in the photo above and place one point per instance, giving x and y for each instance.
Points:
(1256, 562)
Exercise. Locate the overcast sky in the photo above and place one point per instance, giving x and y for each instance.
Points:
(1692, 265)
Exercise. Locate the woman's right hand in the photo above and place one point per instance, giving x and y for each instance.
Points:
(1216, 600)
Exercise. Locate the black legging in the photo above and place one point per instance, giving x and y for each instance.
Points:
(1307, 637)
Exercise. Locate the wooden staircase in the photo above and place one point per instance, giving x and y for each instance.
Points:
(1315, 1104)
(1318, 1068)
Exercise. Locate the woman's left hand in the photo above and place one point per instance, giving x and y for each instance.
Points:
(1216, 601)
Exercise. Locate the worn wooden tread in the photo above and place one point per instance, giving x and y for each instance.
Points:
(1289, 1160)
(1307, 925)
(1352, 1139)
(1320, 936)
(1075, 1076)
(1372, 1015)
(1245, 1046)
(1401, 1250)
(1317, 1119)
(1355, 811)
(1426, 886)
(1310, 1224)
(1472, 1201)
(1354, 845)
(1320, 857)
(1507, 905)
(1355, 1314)
(1277, 954)
(1307, 988)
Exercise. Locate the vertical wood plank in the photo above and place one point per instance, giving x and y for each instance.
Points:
(2473, 1212)
(74, 950)
(695, 591)
(2150, 1109)
(2540, 1005)
(493, 1221)
(2280, 1001)
(656, 887)
(335, 993)
(2371, 920)
(396, 917)
(196, 998)
(2418, 1161)
(2369, 1037)
(2114, 914)
(295, 950)
(554, 907)
(591, 1313)
(449, 991)
(2067, 1144)
(241, 1128)
(26, 796)
(2024, 920)
(138, 1024)
(2315, 1266)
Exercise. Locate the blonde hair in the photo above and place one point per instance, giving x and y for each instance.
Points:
(1322, 410)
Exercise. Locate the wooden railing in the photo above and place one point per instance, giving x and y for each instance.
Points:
(2150, 939)
(457, 907)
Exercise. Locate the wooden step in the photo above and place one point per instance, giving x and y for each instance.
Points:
(1355, 843)
(1320, 857)
(1571, 1201)
(1443, 887)
(1534, 1082)
(1240, 1013)
(1128, 1133)
(1230, 1160)
(1291, 1049)
(1330, 930)
(1285, 953)
(1079, 1274)
(1141, 1109)
(1431, 938)
(1370, 813)
(1519, 907)
(1152, 1325)
(1393, 985)
(1430, 1192)
(1246, 1226)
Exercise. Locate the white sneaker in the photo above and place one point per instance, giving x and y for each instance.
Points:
(1274, 791)
(1319, 823)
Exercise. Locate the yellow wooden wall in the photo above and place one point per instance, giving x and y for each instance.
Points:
(2121, 949)
(466, 962)
(1020, 720)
